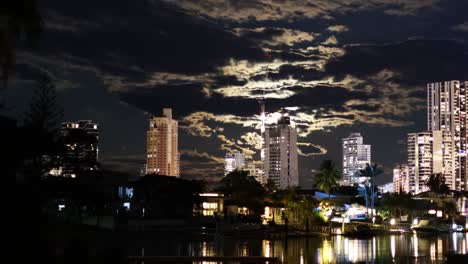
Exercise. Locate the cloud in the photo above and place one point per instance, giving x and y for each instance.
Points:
(195, 156)
(461, 27)
(57, 22)
(201, 165)
(309, 149)
(269, 10)
(338, 28)
(124, 162)
(274, 36)
(195, 125)
(330, 41)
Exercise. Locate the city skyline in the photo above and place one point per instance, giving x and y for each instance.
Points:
(331, 72)
(442, 149)
(244, 131)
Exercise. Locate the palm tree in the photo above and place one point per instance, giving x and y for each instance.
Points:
(327, 177)
(371, 171)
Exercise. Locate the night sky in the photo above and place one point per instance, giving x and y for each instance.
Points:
(335, 67)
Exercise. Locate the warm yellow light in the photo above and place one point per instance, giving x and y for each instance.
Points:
(392, 221)
(439, 213)
(432, 211)
(267, 211)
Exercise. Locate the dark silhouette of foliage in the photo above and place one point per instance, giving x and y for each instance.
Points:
(398, 203)
(44, 114)
(436, 183)
(41, 130)
(327, 177)
(244, 190)
(371, 171)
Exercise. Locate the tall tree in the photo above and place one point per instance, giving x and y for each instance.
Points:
(41, 127)
(371, 172)
(327, 177)
(436, 183)
(244, 190)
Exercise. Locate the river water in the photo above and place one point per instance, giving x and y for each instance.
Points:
(408, 248)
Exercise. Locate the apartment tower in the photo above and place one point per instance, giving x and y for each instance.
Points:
(162, 145)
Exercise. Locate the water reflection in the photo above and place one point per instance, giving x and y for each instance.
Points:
(337, 249)
(415, 245)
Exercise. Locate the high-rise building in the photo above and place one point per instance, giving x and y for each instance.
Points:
(400, 179)
(447, 112)
(233, 161)
(419, 161)
(81, 152)
(255, 169)
(355, 157)
(162, 145)
(280, 163)
(429, 153)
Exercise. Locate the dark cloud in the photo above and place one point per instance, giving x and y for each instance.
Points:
(186, 99)
(201, 165)
(151, 37)
(297, 72)
(418, 61)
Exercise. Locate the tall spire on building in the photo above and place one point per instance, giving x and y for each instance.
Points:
(261, 101)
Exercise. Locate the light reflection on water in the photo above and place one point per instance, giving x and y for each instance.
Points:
(336, 249)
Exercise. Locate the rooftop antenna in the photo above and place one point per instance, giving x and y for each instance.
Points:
(261, 102)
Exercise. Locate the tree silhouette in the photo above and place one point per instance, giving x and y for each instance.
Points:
(371, 171)
(41, 129)
(399, 203)
(328, 176)
(436, 183)
(244, 190)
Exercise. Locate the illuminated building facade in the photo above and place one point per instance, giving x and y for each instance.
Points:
(447, 112)
(428, 153)
(233, 161)
(211, 204)
(280, 163)
(420, 147)
(400, 179)
(162, 145)
(255, 168)
(81, 151)
(355, 157)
